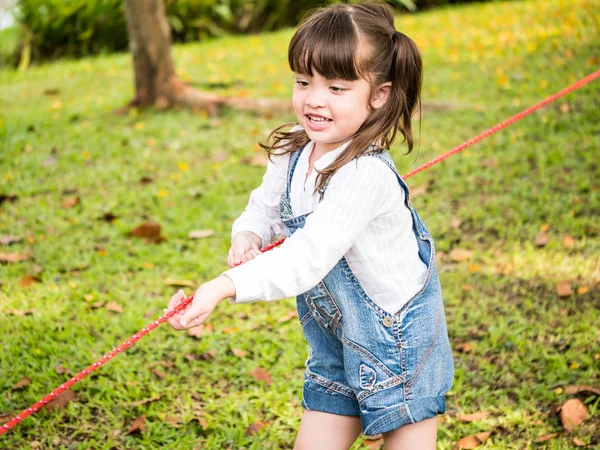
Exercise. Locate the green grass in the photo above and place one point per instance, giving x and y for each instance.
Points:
(528, 344)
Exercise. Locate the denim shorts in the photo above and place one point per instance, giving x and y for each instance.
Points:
(391, 370)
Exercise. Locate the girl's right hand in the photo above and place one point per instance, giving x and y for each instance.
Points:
(244, 247)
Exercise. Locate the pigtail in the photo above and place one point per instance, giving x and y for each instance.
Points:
(406, 75)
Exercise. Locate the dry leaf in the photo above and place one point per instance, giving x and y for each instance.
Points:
(545, 437)
(483, 436)
(570, 390)
(61, 370)
(209, 355)
(289, 316)
(472, 417)
(97, 305)
(261, 374)
(568, 241)
(199, 234)
(578, 442)
(18, 312)
(572, 414)
(459, 255)
(149, 231)
(138, 425)
(180, 283)
(563, 289)
(174, 420)
(25, 381)
(28, 280)
(202, 421)
(541, 239)
(159, 374)
(7, 240)
(61, 400)
(146, 400)
(200, 330)
(70, 202)
(239, 353)
(254, 428)
(13, 257)
(112, 306)
(467, 443)
(466, 347)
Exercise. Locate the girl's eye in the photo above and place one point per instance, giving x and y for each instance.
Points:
(337, 89)
(302, 83)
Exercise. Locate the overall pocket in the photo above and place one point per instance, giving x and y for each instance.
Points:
(323, 307)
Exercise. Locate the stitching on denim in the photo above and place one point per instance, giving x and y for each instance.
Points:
(367, 354)
(425, 357)
(381, 386)
(388, 418)
(334, 321)
(330, 385)
(305, 318)
(372, 374)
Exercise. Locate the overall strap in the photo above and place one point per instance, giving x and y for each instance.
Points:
(294, 156)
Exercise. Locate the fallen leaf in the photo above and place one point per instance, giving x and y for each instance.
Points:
(174, 420)
(70, 202)
(146, 400)
(483, 436)
(261, 374)
(28, 280)
(455, 223)
(61, 370)
(563, 289)
(180, 283)
(465, 347)
(159, 374)
(25, 381)
(578, 442)
(112, 306)
(7, 240)
(254, 428)
(146, 180)
(289, 316)
(418, 190)
(199, 234)
(572, 414)
(582, 290)
(138, 425)
(13, 257)
(544, 228)
(18, 312)
(570, 390)
(230, 330)
(97, 305)
(467, 443)
(459, 255)
(202, 421)
(473, 417)
(568, 241)
(209, 355)
(545, 437)
(61, 400)
(239, 353)
(4, 418)
(541, 239)
(149, 231)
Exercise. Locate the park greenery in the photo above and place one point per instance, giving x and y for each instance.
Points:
(515, 219)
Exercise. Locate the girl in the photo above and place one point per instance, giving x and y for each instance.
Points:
(358, 257)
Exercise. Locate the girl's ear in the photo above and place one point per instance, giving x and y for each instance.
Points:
(381, 94)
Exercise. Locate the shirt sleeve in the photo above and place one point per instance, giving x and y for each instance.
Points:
(355, 196)
(261, 215)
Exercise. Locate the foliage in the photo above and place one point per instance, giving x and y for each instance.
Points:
(56, 28)
(519, 338)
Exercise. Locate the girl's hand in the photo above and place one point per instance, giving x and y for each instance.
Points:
(244, 247)
(206, 298)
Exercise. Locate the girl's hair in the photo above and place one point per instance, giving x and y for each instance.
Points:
(328, 43)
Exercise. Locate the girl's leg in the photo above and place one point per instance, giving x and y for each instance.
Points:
(324, 431)
(416, 436)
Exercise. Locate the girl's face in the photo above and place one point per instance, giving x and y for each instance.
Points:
(330, 111)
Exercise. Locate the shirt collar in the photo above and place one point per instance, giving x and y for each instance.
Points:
(328, 157)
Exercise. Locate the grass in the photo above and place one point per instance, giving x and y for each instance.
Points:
(517, 344)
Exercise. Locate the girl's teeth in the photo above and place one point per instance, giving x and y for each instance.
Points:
(319, 119)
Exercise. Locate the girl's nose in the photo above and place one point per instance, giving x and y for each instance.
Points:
(315, 100)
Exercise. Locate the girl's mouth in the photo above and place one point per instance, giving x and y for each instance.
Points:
(317, 122)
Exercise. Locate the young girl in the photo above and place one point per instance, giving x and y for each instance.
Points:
(358, 257)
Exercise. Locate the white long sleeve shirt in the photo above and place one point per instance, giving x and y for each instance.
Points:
(362, 217)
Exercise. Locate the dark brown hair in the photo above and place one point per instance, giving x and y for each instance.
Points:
(327, 42)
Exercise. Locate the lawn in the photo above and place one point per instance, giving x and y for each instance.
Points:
(515, 219)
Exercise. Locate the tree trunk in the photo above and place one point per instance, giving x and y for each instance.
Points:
(150, 43)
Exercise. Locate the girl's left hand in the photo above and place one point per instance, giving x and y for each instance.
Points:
(206, 298)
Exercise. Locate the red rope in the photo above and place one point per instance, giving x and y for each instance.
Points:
(184, 303)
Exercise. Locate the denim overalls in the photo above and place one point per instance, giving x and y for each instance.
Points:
(390, 370)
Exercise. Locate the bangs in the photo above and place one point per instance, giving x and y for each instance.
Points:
(327, 44)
